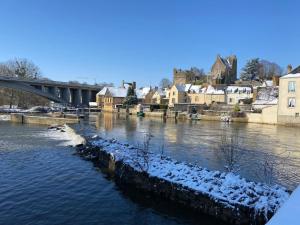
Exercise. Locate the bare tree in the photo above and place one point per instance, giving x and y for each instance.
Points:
(142, 159)
(229, 151)
(198, 72)
(25, 69)
(269, 69)
(21, 68)
(165, 82)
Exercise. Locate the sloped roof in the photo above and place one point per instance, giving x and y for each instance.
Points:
(180, 87)
(195, 88)
(142, 92)
(225, 61)
(296, 70)
(211, 90)
(114, 92)
(234, 89)
(103, 91)
(161, 92)
(296, 75)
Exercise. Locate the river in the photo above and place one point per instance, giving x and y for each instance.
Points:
(42, 181)
(263, 153)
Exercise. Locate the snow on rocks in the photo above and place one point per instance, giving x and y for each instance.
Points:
(227, 188)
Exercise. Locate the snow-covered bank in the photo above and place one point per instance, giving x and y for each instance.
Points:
(229, 190)
(288, 213)
(4, 117)
(65, 134)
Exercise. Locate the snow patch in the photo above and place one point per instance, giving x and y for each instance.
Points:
(227, 188)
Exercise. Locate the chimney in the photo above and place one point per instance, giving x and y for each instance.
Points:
(133, 85)
(123, 84)
(289, 68)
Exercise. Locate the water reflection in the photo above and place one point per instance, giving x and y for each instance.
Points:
(198, 142)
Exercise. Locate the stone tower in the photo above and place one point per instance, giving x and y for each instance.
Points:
(224, 70)
(183, 76)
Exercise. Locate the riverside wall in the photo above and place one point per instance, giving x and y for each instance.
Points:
(196, 201)
(43, 120)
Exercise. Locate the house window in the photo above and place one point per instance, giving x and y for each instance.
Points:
(173, 100)
(230, 99)
(291, 102)
(173, 93)
(292, 86)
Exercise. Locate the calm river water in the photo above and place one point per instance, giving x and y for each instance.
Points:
(42, 182)
(265, 153)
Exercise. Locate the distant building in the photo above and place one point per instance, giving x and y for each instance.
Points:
(160, 97)
(265, 96)
(289, 98)
(184, 77)
(143, 94)
(109, 98)
(206, 95)
(224, 70)
(178, 94)
(236, 94)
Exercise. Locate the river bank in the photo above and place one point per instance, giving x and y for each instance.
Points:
(226, 195)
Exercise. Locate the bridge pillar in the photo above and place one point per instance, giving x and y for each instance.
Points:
(76, 97)
(65, 95)
(86, 97)
(53, 90)
(44, 89)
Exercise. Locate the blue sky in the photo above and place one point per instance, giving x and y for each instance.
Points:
(144, 40)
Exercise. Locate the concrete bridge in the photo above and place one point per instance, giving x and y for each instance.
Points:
(74, 94)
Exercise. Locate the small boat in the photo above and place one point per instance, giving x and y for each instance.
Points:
(140, 114)
(194, 117)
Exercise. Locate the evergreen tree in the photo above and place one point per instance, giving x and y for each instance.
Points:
(251, 70)
(131, 98)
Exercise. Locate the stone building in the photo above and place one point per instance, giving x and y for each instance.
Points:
(160, 97)
(224, 70)
(178, 94)
(206, 95)
(289, 99)
(109, 98)
(183, 76)
(236, 94)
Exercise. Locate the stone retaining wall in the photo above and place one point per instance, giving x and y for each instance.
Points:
(196, 201)
(21, 118)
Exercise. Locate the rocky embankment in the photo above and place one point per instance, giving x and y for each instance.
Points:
(224, 195)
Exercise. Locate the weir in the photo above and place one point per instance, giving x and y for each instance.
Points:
(44, 120)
